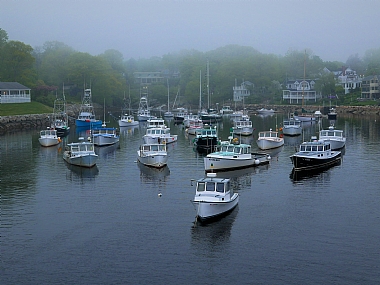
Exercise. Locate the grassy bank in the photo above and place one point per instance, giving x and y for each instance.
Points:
(24, 109)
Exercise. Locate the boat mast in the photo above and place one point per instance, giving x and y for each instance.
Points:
(167, 81)
(200, 91)
(208, 86)
(304, 76)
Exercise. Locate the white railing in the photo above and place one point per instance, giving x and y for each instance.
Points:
(16, 98)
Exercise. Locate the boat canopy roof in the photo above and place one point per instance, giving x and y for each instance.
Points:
(218, 185)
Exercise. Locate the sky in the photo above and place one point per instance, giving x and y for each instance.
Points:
(332, 29)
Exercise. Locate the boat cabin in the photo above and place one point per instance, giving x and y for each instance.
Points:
(208, 132)
(331, 132)
(48, 133)
(81, 147)
(268, 134)
(86, 116)
(156, 123)
(292, 122)
(213, 186)
(157, 131)
(104, 131)
(243, 123)
(315, 146)
(236, 149)
(153, 148)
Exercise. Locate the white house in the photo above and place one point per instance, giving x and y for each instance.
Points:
(298, 90)
(14, 92)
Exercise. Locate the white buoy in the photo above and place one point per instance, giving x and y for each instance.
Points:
(159, 194)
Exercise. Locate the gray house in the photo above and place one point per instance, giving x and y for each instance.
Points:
(14, 92)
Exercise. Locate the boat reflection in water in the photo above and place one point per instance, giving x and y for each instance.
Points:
(107, 151)
(129, 131)
(212, 237)
(244, 139)
(307, 174)
(153, 174)
(81, 172)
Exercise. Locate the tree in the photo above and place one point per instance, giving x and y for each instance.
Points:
(17, 63)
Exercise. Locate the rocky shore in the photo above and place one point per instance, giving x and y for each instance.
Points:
(40, 121)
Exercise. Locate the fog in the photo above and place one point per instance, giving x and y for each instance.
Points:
(332, 29)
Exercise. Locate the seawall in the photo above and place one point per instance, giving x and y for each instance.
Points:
(10, 124)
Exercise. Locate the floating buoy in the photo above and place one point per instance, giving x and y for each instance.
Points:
(257, 161)
(159, 194)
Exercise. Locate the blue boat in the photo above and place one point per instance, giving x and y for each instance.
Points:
(86, 117)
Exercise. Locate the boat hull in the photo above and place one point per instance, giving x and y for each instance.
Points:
(85, 160)
(127, 123)
(309, 162)
(153, 160)
(211, 210)
(102, 140)
(292, 130)
(159, 140)
(206, 144)
(216, 163)
(270, 144)
(88, 124)
(49, 141)
(62, 132)
(244, 131)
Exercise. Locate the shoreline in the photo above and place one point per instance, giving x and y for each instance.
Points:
(9, 124)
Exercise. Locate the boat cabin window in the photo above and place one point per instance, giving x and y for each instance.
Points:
(237, 150)
(314, 148)
(201, 186)
(210, 186)
(247, 150)
(146, 148)
(320, 148)
(220, 187)
(154, 147)
(308, 148)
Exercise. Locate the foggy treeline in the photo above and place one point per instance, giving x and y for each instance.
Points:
(48, 68)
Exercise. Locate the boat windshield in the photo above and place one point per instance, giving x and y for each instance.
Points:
(201, 187)
(220, 187)
(210, 186)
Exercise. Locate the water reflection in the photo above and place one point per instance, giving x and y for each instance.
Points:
(208, 237)
(316, 174)
(81, 172)
(149, 174)
(244, 139)
(106, 151)
(129, 131)
(292, 140)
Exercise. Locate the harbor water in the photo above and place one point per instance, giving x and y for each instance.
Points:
(124, 223)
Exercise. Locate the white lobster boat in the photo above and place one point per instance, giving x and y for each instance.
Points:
(81, 154)
(214, 197)
(159, 135)
(104, 136)
(49, 137)
(243, 127)
(334, 137)
(292, 127)
(153, 155)
(232, 156)
(127, 120)
(269, 139)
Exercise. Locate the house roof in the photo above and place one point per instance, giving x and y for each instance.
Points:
(12, 85)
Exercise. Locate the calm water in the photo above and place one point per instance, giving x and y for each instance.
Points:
(107, 225)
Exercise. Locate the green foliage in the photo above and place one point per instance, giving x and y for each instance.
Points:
(111, 77)
(24, 109)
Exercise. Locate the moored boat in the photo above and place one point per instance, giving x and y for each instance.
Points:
(269, 139)
(49, 137)
(314, 154)
(80, 153)
(127, 120)
(291, 127)
(104, 136)
(86, 117)
(334, 137)
(232, 155)
(159, 135)
(153, 155)
(213, 198)
(206, 139)
(243, 127)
